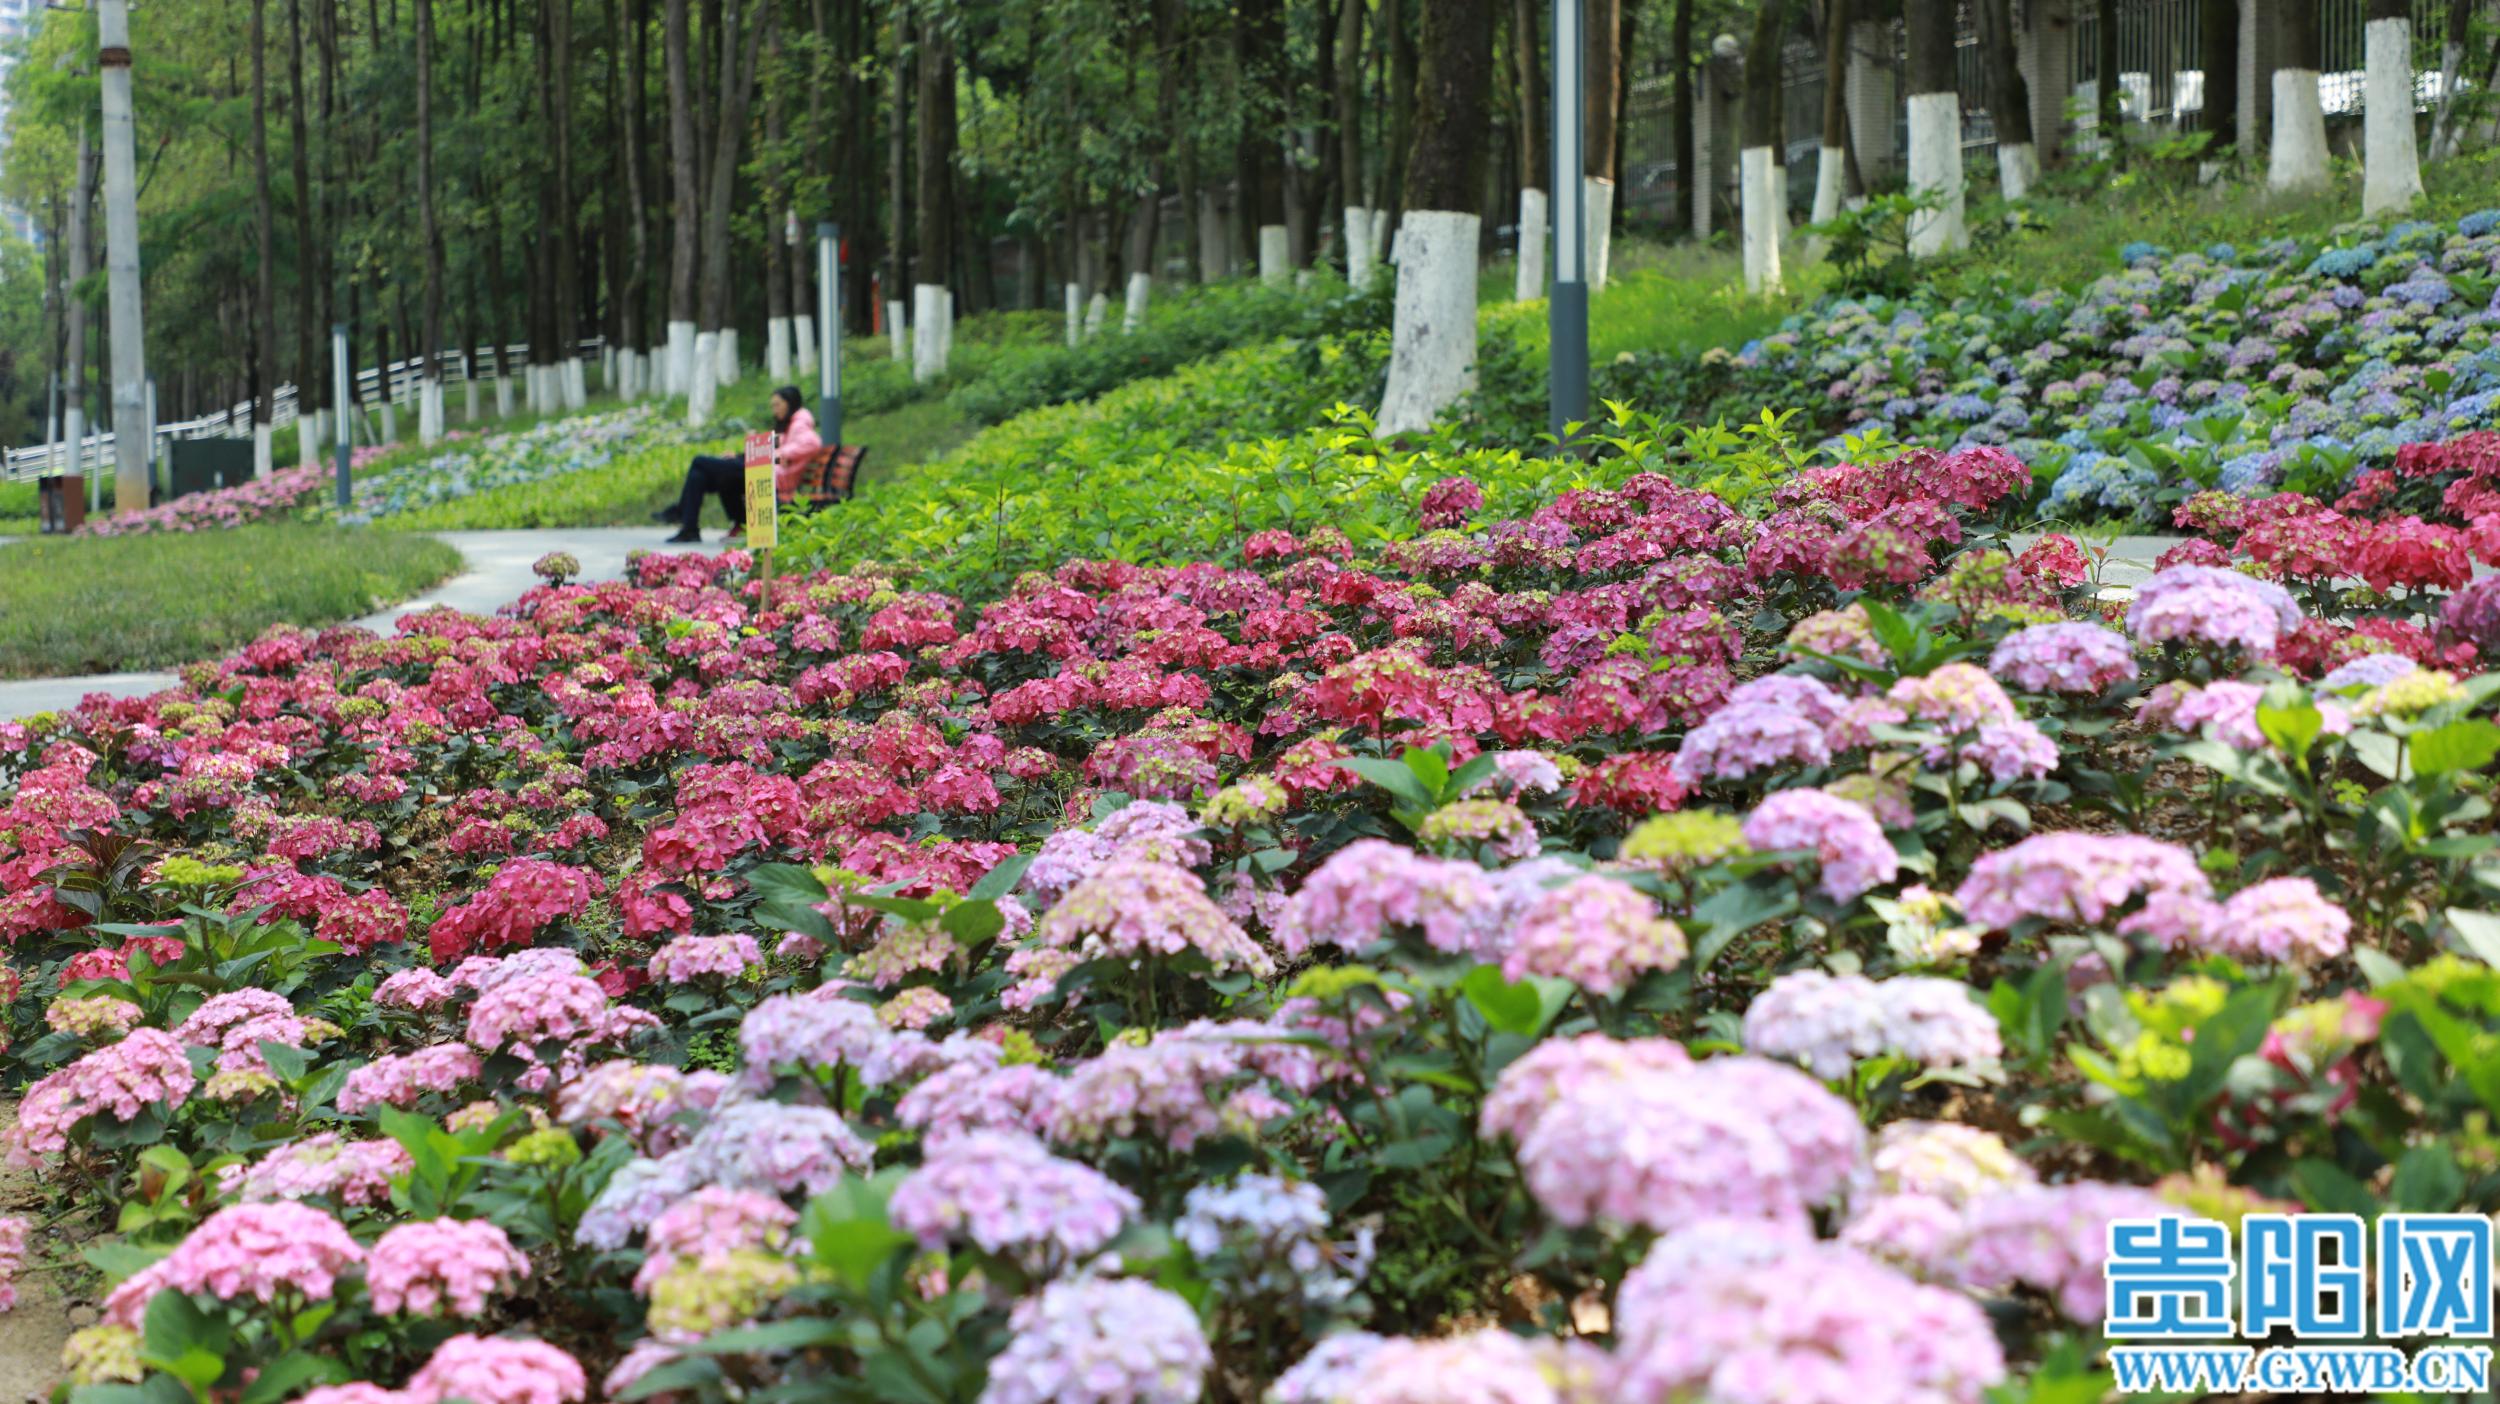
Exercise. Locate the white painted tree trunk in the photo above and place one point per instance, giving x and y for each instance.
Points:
(264, 457)
(2018, 169)
(74, 440)
(1141, 286)
(607, 366)
(1601, 240)
(1530, 284)
(2391, 170)
(928, 319)
(1831, 181)
(1275, 254)
(1358, 245)
(576, 388)
(503, 396)
(468, 401)
(2444, 122)
(1074, 297)
(311, 437)
(803, 342)
(777, 348)
(1097, 311)
(1936, 165)
(1757, 190)
(681, 340)
(946, 326)
(1382, 235)
(429, 411)
(1432, 340)
(702, 388)
(2297, 157)
(390, 422)
(895, 330)
(727, 345)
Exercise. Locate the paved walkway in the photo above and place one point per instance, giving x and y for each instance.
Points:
(497, 573)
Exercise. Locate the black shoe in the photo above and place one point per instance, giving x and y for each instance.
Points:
(686, 537)
(668, 514)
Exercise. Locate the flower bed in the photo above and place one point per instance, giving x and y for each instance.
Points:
(283, 493)
(1752, 956)
(516, 458)
(2287, 365)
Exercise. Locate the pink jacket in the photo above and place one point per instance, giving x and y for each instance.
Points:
(797, 442)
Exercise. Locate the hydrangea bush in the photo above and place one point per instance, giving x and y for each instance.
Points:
(1628, 947)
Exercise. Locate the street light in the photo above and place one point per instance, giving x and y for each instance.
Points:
(829, 333)
(1567, 311)
(338, 401)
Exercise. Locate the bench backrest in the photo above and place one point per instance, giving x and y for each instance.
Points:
(828, 473)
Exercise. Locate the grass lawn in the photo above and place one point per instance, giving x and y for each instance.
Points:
(111, 604)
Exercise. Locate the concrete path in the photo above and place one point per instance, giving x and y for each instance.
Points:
(497, 573)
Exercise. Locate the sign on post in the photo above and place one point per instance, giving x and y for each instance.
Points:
(763, 505)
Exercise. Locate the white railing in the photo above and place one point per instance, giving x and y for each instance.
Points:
(47, 460)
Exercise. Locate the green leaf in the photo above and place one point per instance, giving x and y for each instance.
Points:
(1524, 1008)
(2478, 932)
(1414, 1153)
(786, 882)
(848, 1228)
(285, 1375)
(805, 1333)
(2293, 728)
(2331, 1189)
(1392, 776)
(971, 922)
(1431, 768)
(286, 1061)
(1001, 880)
(2466, 744)
(2427, 1181)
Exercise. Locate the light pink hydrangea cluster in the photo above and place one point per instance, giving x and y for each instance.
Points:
(1178, 1087)
(713, 1222)
(421, 1268)
(1829, 1022)
(2211, 607)
(1956, 698)
(2074, 877)
(1557, 1068)
(691, 958)
(416, 988)
(497, 1370)
(1143, 829)
(1733, 1137)
(237, 1022)
(400, 1079)
(1134, 909)
(323, 1166)
(1742, 740)
(1002, 1191)
(1488, 1366)
(1371, 888)
(100, 1018)
(2051, 1238)
(1739, 1314)
(2078, 659)
(120, 1080)
(1101, 1341)
(956, 1100)
(1598, 932)
(1847, 843)
(255, 1251)
(801, 1031)
(531, 1009)
(2281, 921)
(13, 1232)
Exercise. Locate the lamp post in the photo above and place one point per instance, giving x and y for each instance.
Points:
(829, 333)
(1567, 311)
(338, 396)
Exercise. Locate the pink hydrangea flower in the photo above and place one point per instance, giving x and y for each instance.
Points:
(1598, 932)
(691, 958)
(1004, 1192)
(148, 1068)
(1847, 843)
(1371, 888)
(399, 1079)
(422, 1267)
(1829, 1022)
(2084, 878)
(2080, 659)
(255, 1251)
(497, 1370)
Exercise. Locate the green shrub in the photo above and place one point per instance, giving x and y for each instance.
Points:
(105, 604)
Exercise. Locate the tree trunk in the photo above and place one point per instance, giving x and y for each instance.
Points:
(686, 235)
(2009, 100)
(1831, 163)
(567, 307)
(430, 379)
(937, 215)
(1601, 69)
(309, 283)
(2391, 169)
(628, 96)
(265, 313)
(1758, 159)
(898, 272)
(779, 353)
(2296, 159)
(2219, 47)
(741, 45)
(1690, 185)
(74, 308)
(2444, 121)
(1935, 129)
(1536, 152)
(1432, 356)
(1355, 215)
(1398, 15)
(2111, 114)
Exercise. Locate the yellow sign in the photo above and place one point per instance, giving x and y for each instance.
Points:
(763, 505)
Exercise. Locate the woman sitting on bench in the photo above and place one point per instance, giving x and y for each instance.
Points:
(725, 474)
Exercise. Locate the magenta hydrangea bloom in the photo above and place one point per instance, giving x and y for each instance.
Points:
(1101, 1341)
(1598, 932)
(1004, 1192)
(255, 1251)
(497, 1370)
(2079, 659)
(423, 1267)
(1842, 834)
(691, 958)
(2083, 878)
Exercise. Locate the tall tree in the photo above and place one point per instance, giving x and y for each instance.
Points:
(1432, 339)
(1536, 152)
(2391, 168)
(2109, 97)
(312, 287)
(1356, 216)
(566, 235)
(686, 201)
(2444, 119)
(2218, 41)
(741, 38)
(630, 57)
(430, 343)
(2296, 158)
(936, 212)
(1758, 182)
(2009, 100)
(1935, 128)
(1690, 186)
(265, 309)
(1601, 74)
(1831, 157)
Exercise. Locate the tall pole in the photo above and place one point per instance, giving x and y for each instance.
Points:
(338, 396)
(829, 333)
(1567, 313)
(131, 435)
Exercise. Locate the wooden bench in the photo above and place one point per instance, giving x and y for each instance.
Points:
(826, 475)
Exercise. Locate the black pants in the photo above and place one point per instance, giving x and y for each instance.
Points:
(725, 474)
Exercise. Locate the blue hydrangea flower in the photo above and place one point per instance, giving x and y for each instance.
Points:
(2479, 223)
(2343, 263)
(2138, 252)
